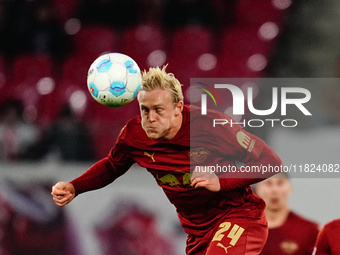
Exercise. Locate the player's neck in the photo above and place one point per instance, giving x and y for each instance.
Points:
(276, 218)
(176, 127)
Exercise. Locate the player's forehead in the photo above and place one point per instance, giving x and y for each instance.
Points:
(276, 180)
(155, 97)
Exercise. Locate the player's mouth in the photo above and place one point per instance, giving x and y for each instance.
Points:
(274, 201)
(151, 128)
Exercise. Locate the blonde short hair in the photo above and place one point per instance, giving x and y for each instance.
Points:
(157, 78)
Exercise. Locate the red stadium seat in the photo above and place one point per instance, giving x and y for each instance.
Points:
(26, 80)
(191, 41)
(31, 68)
(191, 49)
(140, 41)
(238, 46)
(243, 41)
(3, 79)
(200, 66)
(238, 66)
(75, 68)
(66, 92)
(65, 9)
(92, 41)
(257, 12)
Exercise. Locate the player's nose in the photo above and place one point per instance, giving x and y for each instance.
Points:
(152, 116)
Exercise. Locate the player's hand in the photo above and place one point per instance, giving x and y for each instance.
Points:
(63, 193)
(209, 181)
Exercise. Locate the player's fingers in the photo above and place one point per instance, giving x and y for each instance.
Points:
(59, 203)
(61, 195)
(59, 189)
(200, 185)
(193, 181)
(62, 200)
(59, 198)
(56, 193)
(198, 182)
(198, 179)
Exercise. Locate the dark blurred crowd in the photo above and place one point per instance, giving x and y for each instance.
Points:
(38, 26)
(31, 224)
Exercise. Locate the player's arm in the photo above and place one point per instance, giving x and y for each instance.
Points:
(236, 180)
(98, 176)
(230, 181)
(102, 173)
(322, 246)
(256, 155)
(235, 142)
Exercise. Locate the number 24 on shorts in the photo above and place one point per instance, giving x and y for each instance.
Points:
(234, 233)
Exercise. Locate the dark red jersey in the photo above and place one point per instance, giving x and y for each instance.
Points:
(328, 241)
(197, 143)
(295, 237)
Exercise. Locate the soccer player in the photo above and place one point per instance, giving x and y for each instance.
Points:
(220, 215)
(328, 241)
(289, 233)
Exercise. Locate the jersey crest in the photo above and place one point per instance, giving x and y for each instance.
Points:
(198, 155)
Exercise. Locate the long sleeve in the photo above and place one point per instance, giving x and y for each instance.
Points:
(106, 170)
(268, 157)
(228, 144)
(96, 177)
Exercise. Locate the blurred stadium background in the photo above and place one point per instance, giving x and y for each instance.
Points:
(46, 48)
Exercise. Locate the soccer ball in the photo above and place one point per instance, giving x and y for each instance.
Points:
(114, 79)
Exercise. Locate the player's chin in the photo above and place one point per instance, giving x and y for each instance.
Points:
(153, 135)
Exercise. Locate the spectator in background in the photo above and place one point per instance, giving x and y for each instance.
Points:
(179, 13)
(118, 14)
(16, 135)
(68, 138)
(44, 34)
(130, 229)
(30, 224)
(5, 29)
(9, 43)
(289, 233)
(31, 27)
(328, 242)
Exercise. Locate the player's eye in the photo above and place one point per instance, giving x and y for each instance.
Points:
(144, 110)
(268, 184)
(280, 183)
(159, 110)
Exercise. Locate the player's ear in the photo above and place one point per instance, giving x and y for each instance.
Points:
(179, 108)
